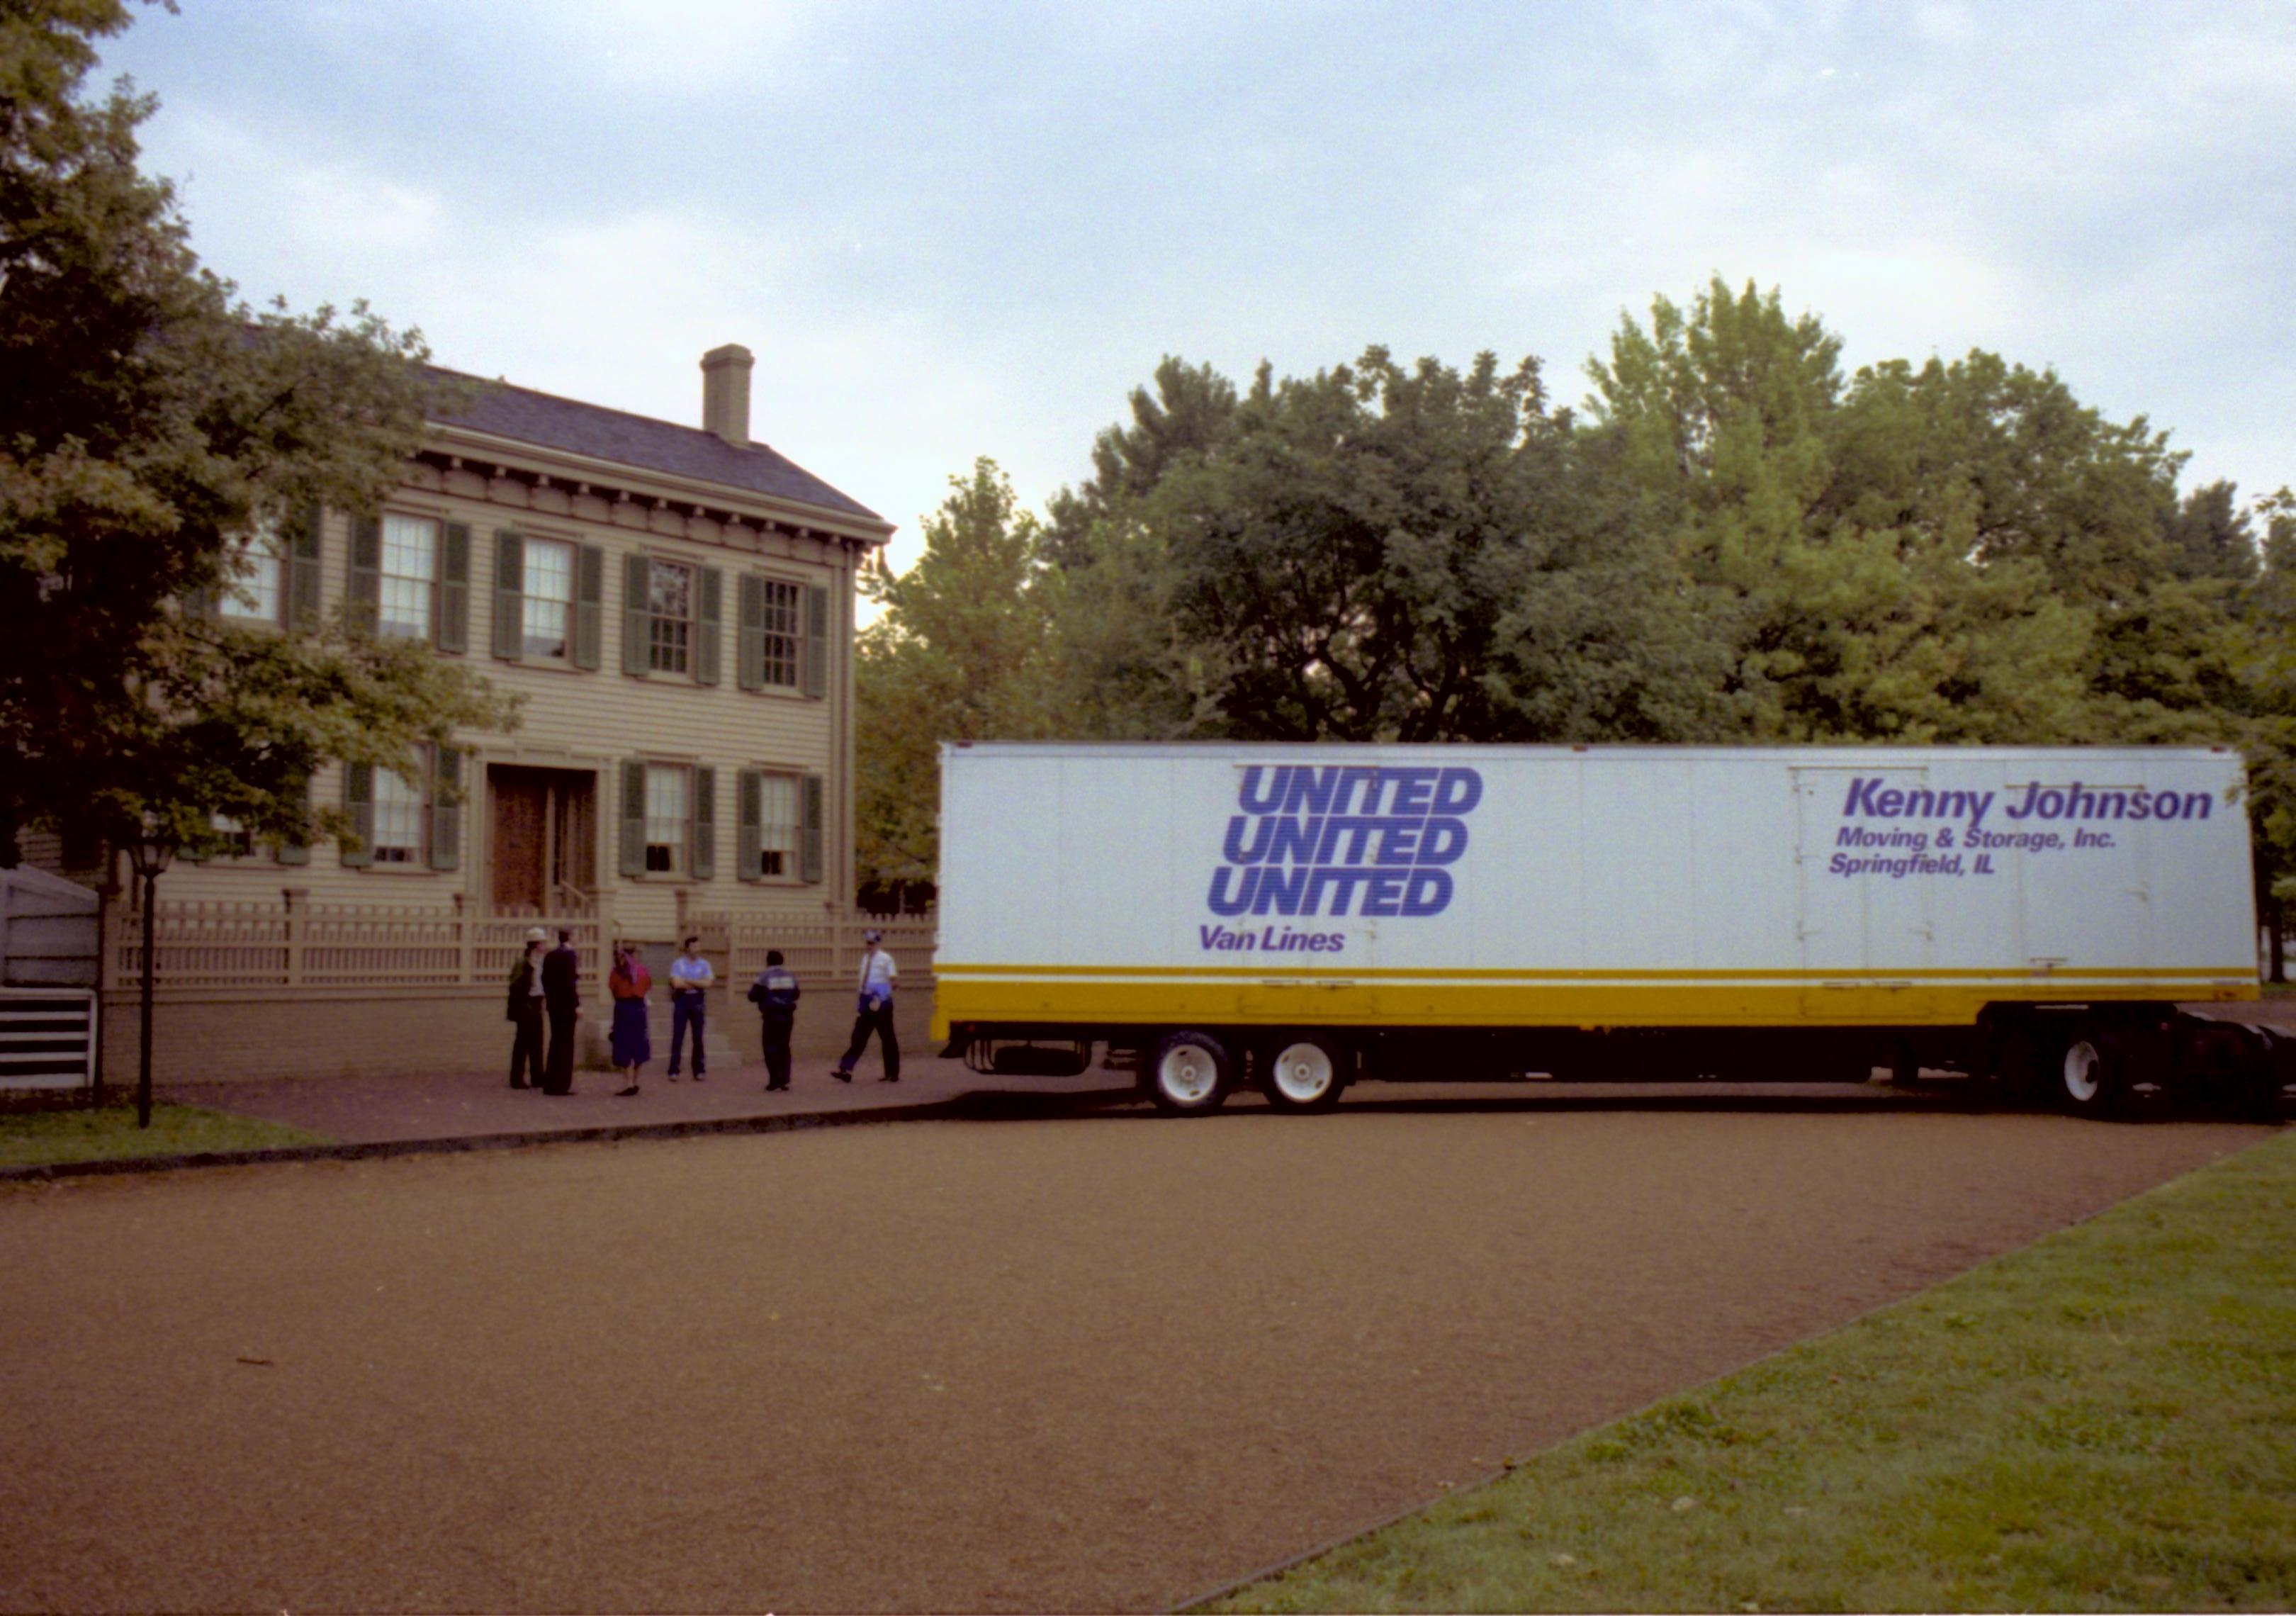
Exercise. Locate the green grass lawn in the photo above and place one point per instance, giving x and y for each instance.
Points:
(35, 1138)
(2103, 1421)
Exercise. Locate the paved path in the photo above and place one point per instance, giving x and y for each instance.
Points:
(359, 1111)
(1102, 1362)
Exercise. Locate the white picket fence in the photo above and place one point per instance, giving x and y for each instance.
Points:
(291, 943)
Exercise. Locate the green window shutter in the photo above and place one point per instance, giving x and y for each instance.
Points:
(365, 589)
(634, 817)
(809, 833)
(358, 802)
(816, 641)
(708, 636)
(455, 588)
(446, 809)
(510, 594)
(750, 647)
(636, 619)
(292, 852)
(590, 590)
(303, 552)
(748, 835)
(705, 823)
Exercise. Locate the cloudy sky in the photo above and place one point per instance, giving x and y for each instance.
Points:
(963, 229)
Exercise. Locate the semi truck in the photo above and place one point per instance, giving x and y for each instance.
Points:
(1292, 918)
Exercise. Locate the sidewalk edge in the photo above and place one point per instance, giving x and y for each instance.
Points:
(922, 1111)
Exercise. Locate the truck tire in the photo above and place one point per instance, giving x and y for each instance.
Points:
(1306, 1073)
(1189, 1074)
(2093, 1073)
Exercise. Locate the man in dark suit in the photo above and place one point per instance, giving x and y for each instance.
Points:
(525, 1013)
(561, 1001)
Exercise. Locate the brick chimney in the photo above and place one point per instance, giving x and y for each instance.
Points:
(726, 393)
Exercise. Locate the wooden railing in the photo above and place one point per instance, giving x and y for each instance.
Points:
(294, 943)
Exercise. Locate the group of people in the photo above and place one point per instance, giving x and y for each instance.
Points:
(545, 992)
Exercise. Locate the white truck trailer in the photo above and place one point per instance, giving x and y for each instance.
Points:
(1297, 916)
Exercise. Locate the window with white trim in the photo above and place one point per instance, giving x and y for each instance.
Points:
(549, 602)
(669, 617)
(255, 578)
(669, 819)
(399, 805)
(407, 594)
(778, 824)
(784, 637)
(242, 841)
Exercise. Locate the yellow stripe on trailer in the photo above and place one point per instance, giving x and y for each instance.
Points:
(1553, 999)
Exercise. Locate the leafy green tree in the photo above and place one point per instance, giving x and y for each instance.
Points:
(2267, 734)
(149, 425)
(2210, 536)
(1191, 412)
(1379, 551)
(958, 653)
(1953, 551)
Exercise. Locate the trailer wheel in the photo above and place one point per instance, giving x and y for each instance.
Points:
(1189, 1075)
(2093, 1074)
(1305, 1074)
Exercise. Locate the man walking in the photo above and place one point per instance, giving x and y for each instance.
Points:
(775, 994)
(690, 978)
(878, 974)
(561, 1001)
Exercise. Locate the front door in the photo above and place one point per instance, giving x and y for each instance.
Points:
(544, 839)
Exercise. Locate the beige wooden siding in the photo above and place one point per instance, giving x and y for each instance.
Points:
(593, 720)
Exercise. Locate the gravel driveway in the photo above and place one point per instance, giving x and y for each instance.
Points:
(1103, 1362)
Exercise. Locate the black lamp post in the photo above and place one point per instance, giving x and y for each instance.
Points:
(151, 852)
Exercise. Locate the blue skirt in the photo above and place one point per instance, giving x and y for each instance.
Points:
(631, 1045)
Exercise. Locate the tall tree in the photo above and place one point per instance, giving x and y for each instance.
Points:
(149, 425)
(958, 653)
(1191, 413)
(1382, 551)
(1953, 551)
(2268, 734)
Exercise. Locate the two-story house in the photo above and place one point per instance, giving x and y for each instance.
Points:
(677, 606)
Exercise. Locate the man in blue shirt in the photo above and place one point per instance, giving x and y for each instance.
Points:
(878, 975)
(690, 978)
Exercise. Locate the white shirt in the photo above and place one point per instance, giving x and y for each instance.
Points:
(878, 971)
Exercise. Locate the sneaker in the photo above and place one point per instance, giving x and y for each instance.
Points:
(697, 1076)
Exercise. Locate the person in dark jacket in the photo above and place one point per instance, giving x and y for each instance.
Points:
(524, 1012)
(774, 993)
(561, 1001)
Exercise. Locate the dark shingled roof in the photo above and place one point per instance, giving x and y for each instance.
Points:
(639, 440)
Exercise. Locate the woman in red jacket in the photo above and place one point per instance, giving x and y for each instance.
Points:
(628, 982)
